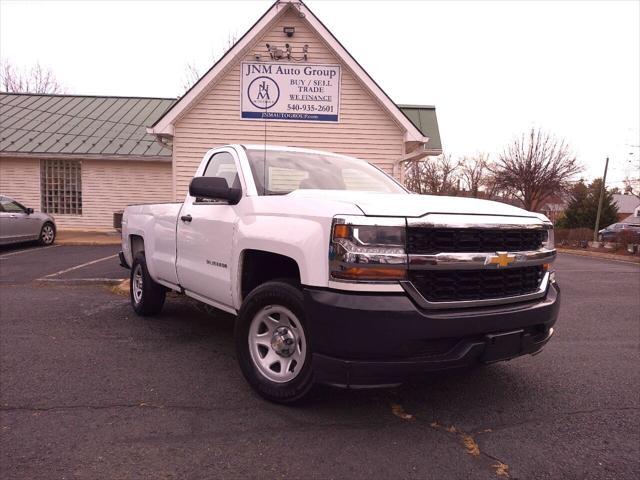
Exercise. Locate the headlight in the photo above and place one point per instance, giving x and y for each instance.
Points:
(550, 240)
(368, 249)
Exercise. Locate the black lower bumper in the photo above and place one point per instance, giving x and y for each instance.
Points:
(364, 340)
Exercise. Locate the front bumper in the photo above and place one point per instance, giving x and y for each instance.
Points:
(362, 339)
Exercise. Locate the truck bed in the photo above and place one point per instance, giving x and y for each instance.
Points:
(156, 224)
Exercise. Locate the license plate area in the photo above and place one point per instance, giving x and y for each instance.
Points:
(502, 346)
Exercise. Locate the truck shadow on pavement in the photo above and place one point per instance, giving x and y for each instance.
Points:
(468, 390)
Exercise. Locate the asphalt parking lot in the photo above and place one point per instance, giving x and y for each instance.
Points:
(89, 390)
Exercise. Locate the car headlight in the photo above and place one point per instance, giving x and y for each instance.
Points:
(366, 249)
(549, 242)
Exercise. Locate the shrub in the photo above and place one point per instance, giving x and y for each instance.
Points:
(626, 238)
(573, 237)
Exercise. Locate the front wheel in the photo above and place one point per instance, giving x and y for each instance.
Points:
(47, 234)
(272, 342)
(147, 296)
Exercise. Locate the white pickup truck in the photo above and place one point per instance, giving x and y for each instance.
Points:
(339, 275)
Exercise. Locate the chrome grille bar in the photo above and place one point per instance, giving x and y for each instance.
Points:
(479, 260)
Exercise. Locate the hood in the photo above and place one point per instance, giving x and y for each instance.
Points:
(412, 205)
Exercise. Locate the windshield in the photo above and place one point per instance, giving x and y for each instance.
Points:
(287, 171)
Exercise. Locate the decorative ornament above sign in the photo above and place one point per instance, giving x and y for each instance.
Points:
(289, 91)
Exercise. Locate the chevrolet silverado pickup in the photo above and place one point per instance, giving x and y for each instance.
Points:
(338, 275)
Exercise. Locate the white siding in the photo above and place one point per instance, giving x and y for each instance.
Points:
(107, 186)
(20, 180)
(365, 129)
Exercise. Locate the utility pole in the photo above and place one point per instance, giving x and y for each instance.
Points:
(604, 181)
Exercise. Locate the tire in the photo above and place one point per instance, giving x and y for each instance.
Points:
(272, 342)
(147, 296)
(47, 234)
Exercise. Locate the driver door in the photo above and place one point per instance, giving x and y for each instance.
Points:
(205, 236)
(15, 223)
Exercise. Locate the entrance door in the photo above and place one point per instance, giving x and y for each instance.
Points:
(205, 236)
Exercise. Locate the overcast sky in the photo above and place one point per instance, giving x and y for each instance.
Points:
(493, 69)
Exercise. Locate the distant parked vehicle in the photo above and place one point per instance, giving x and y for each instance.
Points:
(21, 224)
(613, 232)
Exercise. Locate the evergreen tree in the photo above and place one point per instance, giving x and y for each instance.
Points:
(582, 209)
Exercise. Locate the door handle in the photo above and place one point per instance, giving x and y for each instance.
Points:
(186, 218)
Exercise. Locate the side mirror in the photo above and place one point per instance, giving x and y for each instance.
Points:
(214, 188)
(29, 211)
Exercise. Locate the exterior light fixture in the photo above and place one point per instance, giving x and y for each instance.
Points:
(276, 53)
(289, 31)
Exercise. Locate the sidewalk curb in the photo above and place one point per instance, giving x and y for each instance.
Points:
(88, 238)
(87, 243)
(82, 281)
(600, 255)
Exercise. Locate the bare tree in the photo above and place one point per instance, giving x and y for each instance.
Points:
(36, 79)
(631, 185)
(435, 175)
(473, 173)
(191, 76)
(192, 73)
(534, 167)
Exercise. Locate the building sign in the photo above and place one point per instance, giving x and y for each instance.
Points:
(290, 91)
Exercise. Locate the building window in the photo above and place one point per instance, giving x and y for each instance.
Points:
(61, 186)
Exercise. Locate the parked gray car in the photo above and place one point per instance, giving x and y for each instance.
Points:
(21, 224)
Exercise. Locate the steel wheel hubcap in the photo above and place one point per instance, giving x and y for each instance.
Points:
(47, 234)
(277, 343)
(137, 283)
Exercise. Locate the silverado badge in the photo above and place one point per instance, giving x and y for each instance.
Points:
(500, 259)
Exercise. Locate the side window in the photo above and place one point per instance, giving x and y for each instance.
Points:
(223, 165)
(11, 207)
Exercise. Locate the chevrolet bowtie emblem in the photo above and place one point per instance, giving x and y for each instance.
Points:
(501, 259)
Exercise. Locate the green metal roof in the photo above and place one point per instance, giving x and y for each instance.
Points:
(424, 117)
(80, 125)
(113, 126)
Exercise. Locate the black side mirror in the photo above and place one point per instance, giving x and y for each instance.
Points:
(214, 188)
(29, 211)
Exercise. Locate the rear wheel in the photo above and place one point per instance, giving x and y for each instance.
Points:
(272, 342)
(147, 296)
(47, 234)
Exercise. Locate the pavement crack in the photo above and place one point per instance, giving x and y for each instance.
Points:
(500, 468)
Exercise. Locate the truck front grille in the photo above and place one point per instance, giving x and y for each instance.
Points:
(462, 285)
(428, 241)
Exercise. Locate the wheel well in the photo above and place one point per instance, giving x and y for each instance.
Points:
(259, 267)
(137, 244)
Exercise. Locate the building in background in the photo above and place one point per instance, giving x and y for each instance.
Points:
(634, 218)
(627, 205)
(554, 207)
(287, 81)
(82, 158)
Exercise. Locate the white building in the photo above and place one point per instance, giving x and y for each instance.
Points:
(287, 81)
